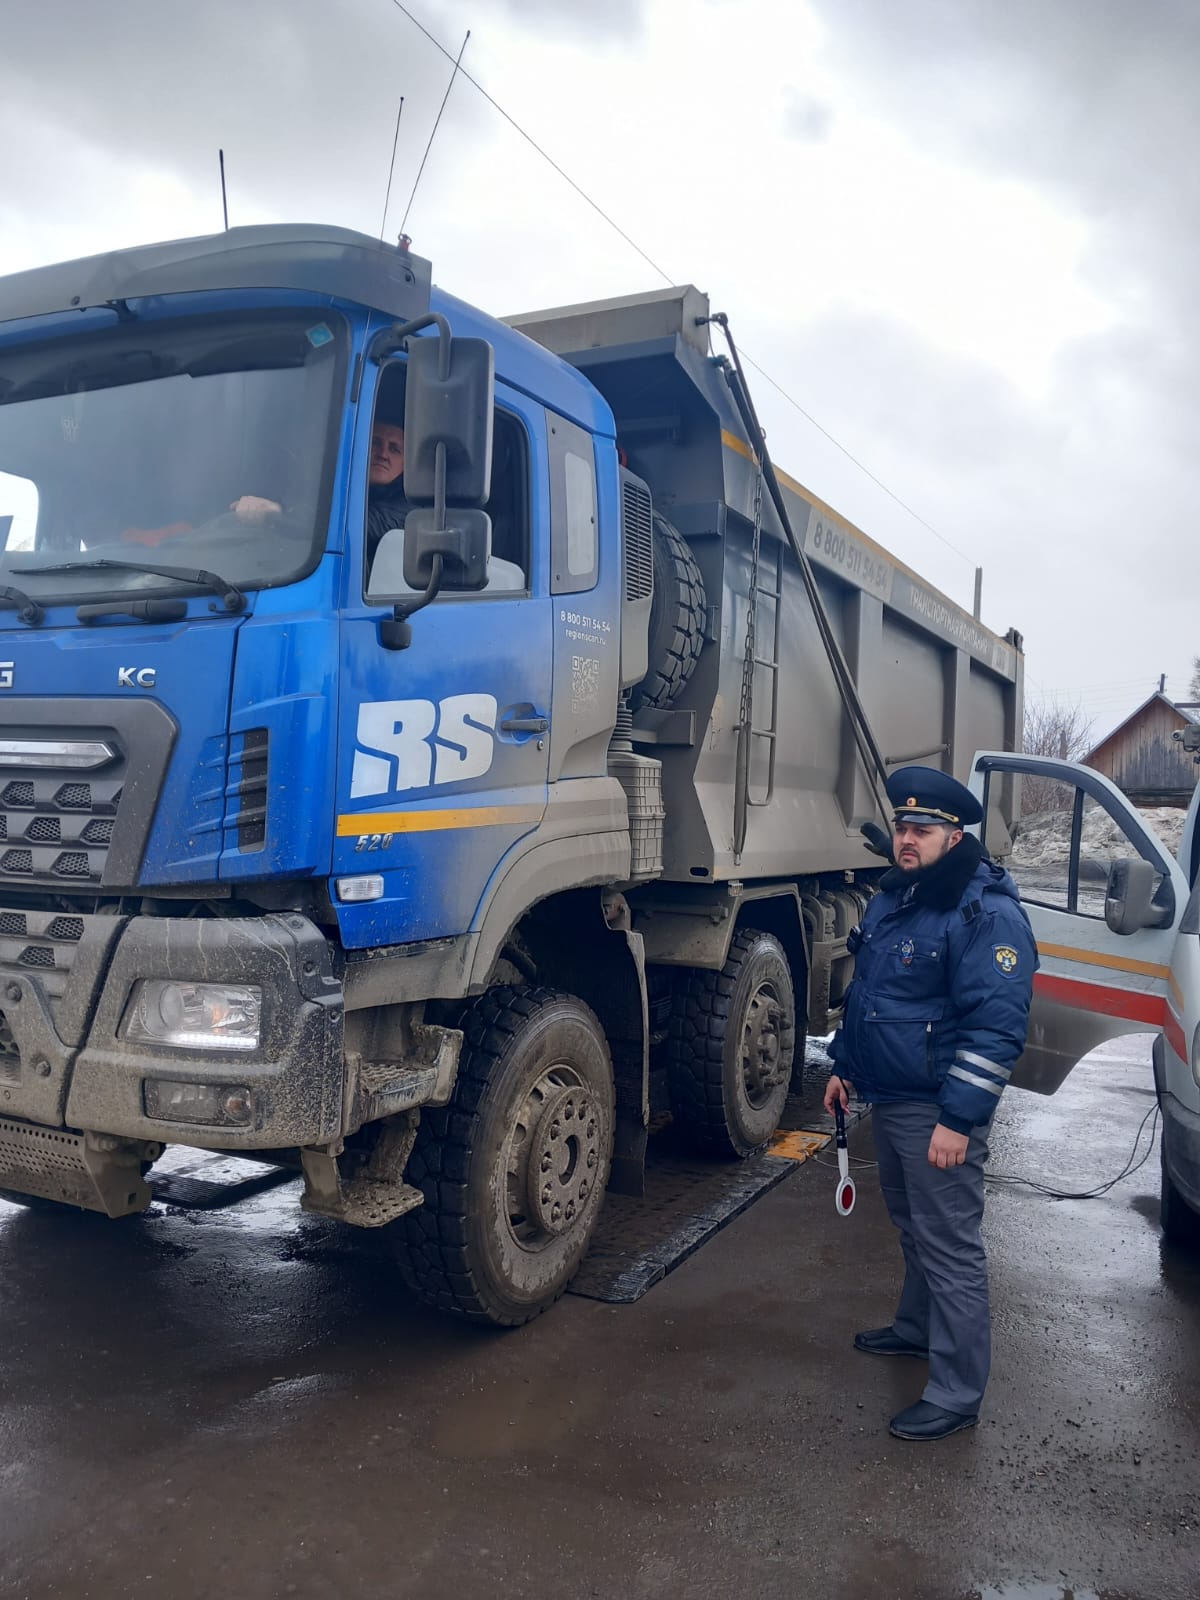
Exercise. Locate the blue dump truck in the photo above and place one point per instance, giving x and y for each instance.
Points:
(421, 832)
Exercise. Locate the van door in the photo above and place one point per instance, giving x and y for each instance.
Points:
(1071, 826)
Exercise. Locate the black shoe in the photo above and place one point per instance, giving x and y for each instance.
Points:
(887, 1342)
(927, 1421)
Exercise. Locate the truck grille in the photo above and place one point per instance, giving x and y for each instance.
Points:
(79, 784)
(43, 939)
(58, 830)
(64, 956)
(10, 1056)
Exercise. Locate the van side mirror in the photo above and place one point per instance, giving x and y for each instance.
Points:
(1129, 896)
(448, 403)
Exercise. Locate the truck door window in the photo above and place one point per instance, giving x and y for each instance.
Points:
(574, 544)
(581, 515)
(507, 505)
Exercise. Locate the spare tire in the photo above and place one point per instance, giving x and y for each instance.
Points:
(676, 619)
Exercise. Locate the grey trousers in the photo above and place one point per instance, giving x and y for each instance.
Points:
(944, 1301)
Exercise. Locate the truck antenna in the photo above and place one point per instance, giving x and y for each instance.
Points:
(433, 135)
(391, 169)
(224, 200)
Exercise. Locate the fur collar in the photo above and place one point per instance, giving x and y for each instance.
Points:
(941, 885)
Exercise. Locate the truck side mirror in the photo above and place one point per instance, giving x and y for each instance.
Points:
(448, 402)
(1129, 896)
(463, 545)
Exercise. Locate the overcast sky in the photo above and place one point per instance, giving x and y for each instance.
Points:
(960, 234)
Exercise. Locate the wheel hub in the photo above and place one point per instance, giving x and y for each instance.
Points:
(563, 1153)
(761, 1054)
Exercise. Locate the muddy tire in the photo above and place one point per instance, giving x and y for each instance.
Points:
(1180, 1224)
(514, 1169)
(730, 1050)
(676, 619)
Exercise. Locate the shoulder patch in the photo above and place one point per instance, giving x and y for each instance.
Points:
(1006, 958)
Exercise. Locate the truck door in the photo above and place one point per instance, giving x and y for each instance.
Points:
(1094, 983)
(444, 757)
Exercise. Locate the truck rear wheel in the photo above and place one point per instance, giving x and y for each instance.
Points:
(676, 619)
(1180, 1224)
(514, 1169)
(729, 1054)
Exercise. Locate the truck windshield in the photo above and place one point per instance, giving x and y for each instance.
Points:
(197, 444)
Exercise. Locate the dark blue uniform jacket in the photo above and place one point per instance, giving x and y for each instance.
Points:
(939, 1005)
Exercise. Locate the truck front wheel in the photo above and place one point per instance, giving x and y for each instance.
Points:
(729, 1054)
(514, 1169)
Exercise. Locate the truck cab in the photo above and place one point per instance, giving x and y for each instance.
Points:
(1116, 914)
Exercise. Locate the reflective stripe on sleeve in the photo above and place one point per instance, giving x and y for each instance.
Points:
(973, 1077)
(1004, 1073)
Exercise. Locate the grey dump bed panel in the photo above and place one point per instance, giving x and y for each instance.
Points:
(936, 684)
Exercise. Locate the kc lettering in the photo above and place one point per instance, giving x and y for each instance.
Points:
(415, 744)
(135, 677)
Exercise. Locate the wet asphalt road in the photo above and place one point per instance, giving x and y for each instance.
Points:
(244, 1402)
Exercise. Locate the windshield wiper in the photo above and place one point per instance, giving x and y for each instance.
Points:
(26, 607)
(232, 597)
(148, 610)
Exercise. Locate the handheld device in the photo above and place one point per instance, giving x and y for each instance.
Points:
(845, 1188)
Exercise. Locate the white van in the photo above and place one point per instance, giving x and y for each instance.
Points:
(1117, 920)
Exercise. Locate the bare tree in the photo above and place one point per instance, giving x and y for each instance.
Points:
(1194, 682)
(1052, 728)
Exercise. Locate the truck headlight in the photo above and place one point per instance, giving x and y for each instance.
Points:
(195, 1016)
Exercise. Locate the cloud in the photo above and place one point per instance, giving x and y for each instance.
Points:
(1094, 100)
(807, 118)
(623, 19)
(179, 81)
(1090, 107)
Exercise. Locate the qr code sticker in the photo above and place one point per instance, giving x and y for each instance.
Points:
(585, 682)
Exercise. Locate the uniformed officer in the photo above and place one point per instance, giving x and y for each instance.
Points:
(935, 1021)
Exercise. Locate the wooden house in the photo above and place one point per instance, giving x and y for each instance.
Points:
(1142, 758)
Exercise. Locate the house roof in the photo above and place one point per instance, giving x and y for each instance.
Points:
(1184, 715)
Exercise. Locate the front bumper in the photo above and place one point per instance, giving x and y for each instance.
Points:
(63, 1060)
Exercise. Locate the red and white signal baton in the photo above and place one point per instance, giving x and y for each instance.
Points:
(845, 1188)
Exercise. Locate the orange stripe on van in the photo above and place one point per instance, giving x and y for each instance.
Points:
(1098, 958)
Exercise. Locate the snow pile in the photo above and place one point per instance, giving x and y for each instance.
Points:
(1043, 842)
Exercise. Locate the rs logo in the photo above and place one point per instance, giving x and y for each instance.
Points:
(411, 744)
(135, 677)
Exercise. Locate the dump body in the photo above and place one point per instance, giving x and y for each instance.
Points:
(935, 683)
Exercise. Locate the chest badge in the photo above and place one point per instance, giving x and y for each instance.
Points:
(1006, 958)
(907, 950)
